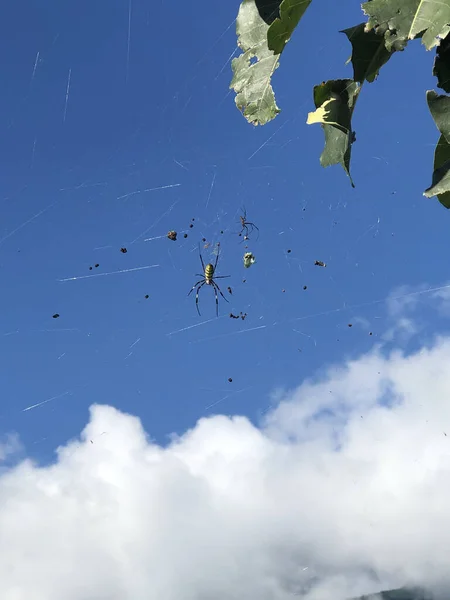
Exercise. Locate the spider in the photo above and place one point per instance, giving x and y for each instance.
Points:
(208, 277)
(246, 226)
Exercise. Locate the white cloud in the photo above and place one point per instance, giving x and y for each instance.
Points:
(404, 299)
(402, 312)
(344, 489)
(408, 309)
(9, 445)
(442, 297)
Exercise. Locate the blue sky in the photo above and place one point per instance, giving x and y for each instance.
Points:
(117, 125)
(148, 107)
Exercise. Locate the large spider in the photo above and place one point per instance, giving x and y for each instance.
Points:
(246, 226)
(208, 277)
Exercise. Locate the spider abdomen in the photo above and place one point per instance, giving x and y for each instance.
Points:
(209, 273)
(208, 278)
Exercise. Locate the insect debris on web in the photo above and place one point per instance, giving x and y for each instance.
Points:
(249, 259)
(241, 315)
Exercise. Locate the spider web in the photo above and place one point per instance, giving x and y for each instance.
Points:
(95, 293)
(122, 200)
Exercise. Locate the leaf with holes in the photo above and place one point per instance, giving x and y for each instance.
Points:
(254, 68)
(402, 20)
(335, 101)
(369, 53)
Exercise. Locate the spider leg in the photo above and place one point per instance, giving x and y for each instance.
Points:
(217, 298)
(217, 258)
(196, 297)
(195, 285)
(244, 231)
(201, 258)
(253, 226)
(216, 287)
(221, 276)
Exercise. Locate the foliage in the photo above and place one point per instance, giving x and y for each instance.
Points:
(399, 594)
(251, 81)
(334, 102)
(264, 27)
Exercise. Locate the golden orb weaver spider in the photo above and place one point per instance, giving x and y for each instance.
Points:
(246, 226)
(208, 277)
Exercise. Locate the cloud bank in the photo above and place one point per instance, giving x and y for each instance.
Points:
(343, 489)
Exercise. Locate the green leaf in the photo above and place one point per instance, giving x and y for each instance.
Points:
(335, 101)
(369, 53)
(403, 20)
(253, 69)
(439, 106)
(440, 186)
(269, 10)
(441, 67)
(280, 31)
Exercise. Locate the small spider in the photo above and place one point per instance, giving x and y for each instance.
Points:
(208, 277)
(246, 226)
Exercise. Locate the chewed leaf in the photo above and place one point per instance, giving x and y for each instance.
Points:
(402, 20)
(254, 68)
(369, 53)
(334, 102)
